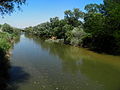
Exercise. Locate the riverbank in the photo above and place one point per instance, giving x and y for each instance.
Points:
(8, 35)
(62, 41)
(6, 43)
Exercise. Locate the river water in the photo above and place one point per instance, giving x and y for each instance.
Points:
(38, 65)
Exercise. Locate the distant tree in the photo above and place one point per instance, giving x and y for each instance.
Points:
(7, 28)
(8, 6)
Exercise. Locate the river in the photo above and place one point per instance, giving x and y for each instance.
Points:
(38, 65)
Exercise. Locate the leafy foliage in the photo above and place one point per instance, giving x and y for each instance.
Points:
(77, 36)
(8, 6)
(102, 22)
(7, 35)
(9, 29)
(4, 43)
(62, 29)
(98, 28)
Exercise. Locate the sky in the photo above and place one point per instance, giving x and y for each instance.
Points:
(39, 11)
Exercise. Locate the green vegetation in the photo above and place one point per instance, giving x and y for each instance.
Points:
(98, 28)
(11, 30)
(103, 23)
(69, 28)
(7, 36)
(8, 33)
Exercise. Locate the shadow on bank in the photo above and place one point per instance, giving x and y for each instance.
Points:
(10, 76)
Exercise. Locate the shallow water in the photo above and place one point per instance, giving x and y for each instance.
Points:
(37, 65)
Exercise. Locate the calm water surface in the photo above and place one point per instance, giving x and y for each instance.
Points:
(38, 65)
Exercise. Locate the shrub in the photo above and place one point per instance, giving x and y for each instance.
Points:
(76, 36)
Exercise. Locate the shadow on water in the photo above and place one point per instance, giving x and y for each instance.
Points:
(4, 73)
(11, 76)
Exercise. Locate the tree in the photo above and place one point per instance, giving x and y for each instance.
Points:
(7, 28)
(112, 22)
(92, 8)
(73, 17)
(8, 6)
(103, 23)
(54, 22)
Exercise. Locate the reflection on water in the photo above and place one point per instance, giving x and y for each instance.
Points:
(50, 66)
(103, 69)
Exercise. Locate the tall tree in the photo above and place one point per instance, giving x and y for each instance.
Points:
(73, 17)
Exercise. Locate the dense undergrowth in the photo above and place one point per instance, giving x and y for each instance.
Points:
(8, 35)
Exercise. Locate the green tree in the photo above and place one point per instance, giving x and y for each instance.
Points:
(7, 28)
(103, 23)
(73, 17)
(112, 22)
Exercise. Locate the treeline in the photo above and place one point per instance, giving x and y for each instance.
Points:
(7, 36)
(98, 28)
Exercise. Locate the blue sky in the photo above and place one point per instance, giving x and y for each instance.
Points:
(38, 11)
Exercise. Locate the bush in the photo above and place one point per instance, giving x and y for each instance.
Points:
(5, 43)
(75, 37)
(9, 29)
